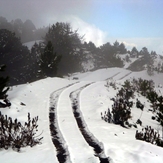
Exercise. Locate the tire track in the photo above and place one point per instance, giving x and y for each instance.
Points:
(113, 76)
(63, 154)
(97, 146)
(125, 76)
(70, 130)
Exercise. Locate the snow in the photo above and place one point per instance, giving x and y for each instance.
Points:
(123, 58)
(119, 143)
(31, 43)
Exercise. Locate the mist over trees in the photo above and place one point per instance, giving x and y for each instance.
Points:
(48, 61)
(66, 43)
(16, 57)
(3, 84)
(109, 53)
(26, 31)
(62, 51)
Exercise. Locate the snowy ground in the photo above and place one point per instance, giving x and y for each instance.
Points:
(93, 98)
(31, 43)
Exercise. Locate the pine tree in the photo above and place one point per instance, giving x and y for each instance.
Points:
(49, 61)
(159, 116)
(134, 52)
(66, 43)
(3, 84)
(16, 57)
(122, 48)
(4, 89)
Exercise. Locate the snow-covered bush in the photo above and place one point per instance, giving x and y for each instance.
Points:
(120, 112)
(139, 105)
(14, 134)
(149, 135)
(126, 93)
(152, 96)
(111, 83)
(4, 89)
(143, 86)
(159, 114)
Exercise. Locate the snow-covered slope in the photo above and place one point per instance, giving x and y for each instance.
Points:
(92, 97)
(31, 43)
(117, 74)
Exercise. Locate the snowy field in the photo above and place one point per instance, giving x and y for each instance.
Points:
(118, 143)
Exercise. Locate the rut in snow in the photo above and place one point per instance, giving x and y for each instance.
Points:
(125, 75)
(113, 76)
(63, 155)
(88, 136)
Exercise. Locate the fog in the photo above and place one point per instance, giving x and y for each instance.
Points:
(132, 22)
(40, 11)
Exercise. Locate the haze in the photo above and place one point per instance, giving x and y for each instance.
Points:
(135, 23)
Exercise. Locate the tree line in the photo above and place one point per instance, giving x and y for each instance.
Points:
(61, 51)
(26, 30)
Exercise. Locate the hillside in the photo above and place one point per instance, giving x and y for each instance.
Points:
(56, 96)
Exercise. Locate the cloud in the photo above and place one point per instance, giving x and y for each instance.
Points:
(89, 31)
(99, 37)
(38, 10)
(129, 44)
(44, 13)
(152, 44)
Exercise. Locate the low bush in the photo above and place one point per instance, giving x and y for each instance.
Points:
(139, 105)
(143, 86)
(149, 135)
(111, 83)
(121, 111)
(14, 134)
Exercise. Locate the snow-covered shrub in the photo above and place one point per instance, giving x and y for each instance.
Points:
(159, 116)
(139, 105)
(110, 83)
(107, 117)
(149, 135)
(143, 86)
(126, 93)
(120, 112)
(127, 84)
(14, 134)
(139, 122)
(4, 89)
(152, 96)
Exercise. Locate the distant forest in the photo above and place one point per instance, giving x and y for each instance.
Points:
(61, 51)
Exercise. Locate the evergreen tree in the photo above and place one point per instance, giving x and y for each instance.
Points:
(28, 31)
(109, 54)
(49, 61)
(17, 27)
(3, 84)
(66, 43)
(127, 58)
(16, 57)
(4, 89)
(134, 52)
(116, 44)
(4, 24)
(159, 116)
(145, 51)
(122, 49)
(106, 51)
(91, 53)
